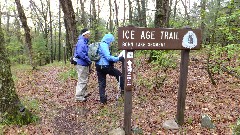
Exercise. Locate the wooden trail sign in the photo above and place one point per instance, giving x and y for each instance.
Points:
(133, 38)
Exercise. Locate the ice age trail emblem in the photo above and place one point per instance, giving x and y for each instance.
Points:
(189, 40)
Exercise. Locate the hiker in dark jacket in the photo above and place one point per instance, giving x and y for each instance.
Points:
(83, 65)
(103, 67)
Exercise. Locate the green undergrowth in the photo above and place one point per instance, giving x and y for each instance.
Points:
(57, 64)
(71, 73)
(19, 68)
(23, 117)
(236, 128)
(18, 117)
(31, 104)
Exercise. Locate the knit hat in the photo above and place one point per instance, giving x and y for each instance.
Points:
(85, 31)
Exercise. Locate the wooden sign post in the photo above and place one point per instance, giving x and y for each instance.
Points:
(128, 68)
(133, 38)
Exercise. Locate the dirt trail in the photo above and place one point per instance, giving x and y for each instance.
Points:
(60, 114)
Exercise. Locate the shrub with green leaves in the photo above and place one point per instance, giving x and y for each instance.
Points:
(72, 73)
(41, 51)
(164, 59)
(226, 56)
(236, 128)
(16, 51)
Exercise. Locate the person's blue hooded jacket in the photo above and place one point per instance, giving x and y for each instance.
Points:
(105, 52)
(81, 51)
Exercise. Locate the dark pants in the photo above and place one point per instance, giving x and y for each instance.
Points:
(102, 71)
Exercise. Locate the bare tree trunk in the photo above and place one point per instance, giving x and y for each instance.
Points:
(203, 11)
(175, 9)
(95, 21)
(28, 39)
(51, 31)
(67, 51)
(55, 43)
(69, 15)
(130, 12)
(161, 15)
(99, 10)
(186, 13)
(18, 28)
(144, 16)
(139, 16)
(166, 8)
(116, 10)
(83, 18)
(124, 12)
(90, 17)
(19, 37)
(65, 42)
(94, 12)
(60, 33)
(110, 16)
(169, 11)
(78, 12)
(47, 59)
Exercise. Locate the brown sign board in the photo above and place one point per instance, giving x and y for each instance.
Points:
(135, 38)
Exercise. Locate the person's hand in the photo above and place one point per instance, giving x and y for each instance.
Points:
(121, 58)
(90, 71)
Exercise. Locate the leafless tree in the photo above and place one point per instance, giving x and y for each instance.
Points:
(186, 12)
(69, 16)
(51, 32)
(116, 11)
(28, 39)
(130, 12)
(83, 18)
(42, 13)
(110, 16)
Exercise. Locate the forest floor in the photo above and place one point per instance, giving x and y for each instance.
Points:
(49, 93)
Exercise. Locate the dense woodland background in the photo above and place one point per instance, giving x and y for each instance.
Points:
(52, 33)
(43, 32)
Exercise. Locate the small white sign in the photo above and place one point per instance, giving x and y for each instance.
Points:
(189, 40)
(130, 55)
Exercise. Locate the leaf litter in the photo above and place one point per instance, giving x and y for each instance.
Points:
(60, 114)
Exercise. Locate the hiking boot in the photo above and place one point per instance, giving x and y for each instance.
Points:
(81, 99)
(103, 100)
(87, 95)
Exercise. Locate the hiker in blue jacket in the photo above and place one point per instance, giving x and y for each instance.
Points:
(103, 67)
(83, 65)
